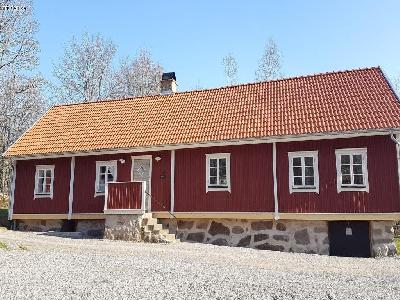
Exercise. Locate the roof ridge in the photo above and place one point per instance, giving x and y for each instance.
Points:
(222, 87)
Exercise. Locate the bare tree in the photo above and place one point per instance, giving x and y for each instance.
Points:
(139, 77)
(396, 85)
(84, 72)
(21, 101)
(269, 66)
(230, 68)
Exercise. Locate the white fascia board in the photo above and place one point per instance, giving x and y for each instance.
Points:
(250, 141)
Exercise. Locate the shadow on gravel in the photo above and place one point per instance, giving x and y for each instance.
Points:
(68, 235)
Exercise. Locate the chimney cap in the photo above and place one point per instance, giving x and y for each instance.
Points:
(168, 76)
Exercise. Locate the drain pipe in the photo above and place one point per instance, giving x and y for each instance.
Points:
(276, 214)
(393, 137)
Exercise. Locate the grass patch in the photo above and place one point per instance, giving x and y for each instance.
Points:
(3, 246)
(3, 212)
(22, 247)
(397, 243)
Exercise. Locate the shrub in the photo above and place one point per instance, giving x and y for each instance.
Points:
(3, 201)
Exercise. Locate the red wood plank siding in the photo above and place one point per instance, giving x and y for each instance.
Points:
(251, 180)
(85, 176)
(383, 193)
(161, 182)
(24, 202)
(124, 195)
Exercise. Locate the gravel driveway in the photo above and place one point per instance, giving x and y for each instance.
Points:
(39, 266)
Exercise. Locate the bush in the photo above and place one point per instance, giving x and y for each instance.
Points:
(3, 201)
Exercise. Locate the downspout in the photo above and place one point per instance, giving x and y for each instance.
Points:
(276, 213)
(392, 136)
(71, 188)
(12, 190)
(172, 181)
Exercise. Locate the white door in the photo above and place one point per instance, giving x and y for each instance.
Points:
(141, 171)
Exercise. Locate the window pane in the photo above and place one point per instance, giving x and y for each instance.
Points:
(309, 171)
(40, 185)
(297, 171)
(101, 188)
(102, 179)
(213, 163)
(308, 161)
(213, 171)
(345, 169)
(298, 181)
(309, 181)
(345, 159)
(222, 180)
(48, 173)
(357, 159)
(110, 177)
(357, 169)
(47, 188)
(296, 161)
(41, 173)
(358, 179)
(222, 171)
(222, 162)
(103, 169)
(48, 180)
(213, 180)
(346, 179)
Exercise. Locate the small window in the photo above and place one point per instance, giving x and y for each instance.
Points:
(351, 167)
(218, 172)
(44, 178)
(106, 171)
(303, 172)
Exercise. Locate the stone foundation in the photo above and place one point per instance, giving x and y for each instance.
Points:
(285, 235)
(123, 227)
(39, 225)
(91, 228)
(382, 235)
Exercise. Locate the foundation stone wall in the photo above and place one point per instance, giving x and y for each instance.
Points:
(282, 235)
(39, 225)
(123, 227)
(382, 234)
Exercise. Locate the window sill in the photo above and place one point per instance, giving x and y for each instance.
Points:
(353, 189)
(218, 189)
(304, 190)
(41, 196)
(99, 194)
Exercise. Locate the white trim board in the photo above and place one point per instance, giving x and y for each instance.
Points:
(250, 141)
(150, 157)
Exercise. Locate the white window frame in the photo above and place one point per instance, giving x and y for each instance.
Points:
(303, 188)
(352, 187)
(45, 168)
(209, 187)
(108, 163)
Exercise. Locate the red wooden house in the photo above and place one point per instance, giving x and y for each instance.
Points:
(308, 164)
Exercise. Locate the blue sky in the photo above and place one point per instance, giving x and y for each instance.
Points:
(191, 37)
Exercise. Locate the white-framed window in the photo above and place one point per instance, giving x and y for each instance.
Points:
(44, 179)
(303, 171)
(352, 171)
(106, 171)
(218, 169)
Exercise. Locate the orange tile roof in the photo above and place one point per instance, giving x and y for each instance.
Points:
(330, 102)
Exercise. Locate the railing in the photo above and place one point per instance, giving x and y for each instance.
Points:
(125, 197)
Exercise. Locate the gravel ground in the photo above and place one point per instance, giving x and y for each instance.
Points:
(39, 266)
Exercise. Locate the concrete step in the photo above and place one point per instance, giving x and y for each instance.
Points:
(161, 231)
(147, 216)
(153, 227)
(148, 221)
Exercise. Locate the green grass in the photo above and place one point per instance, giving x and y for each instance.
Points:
(397, 243)
(3, 212)
(3, 246)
